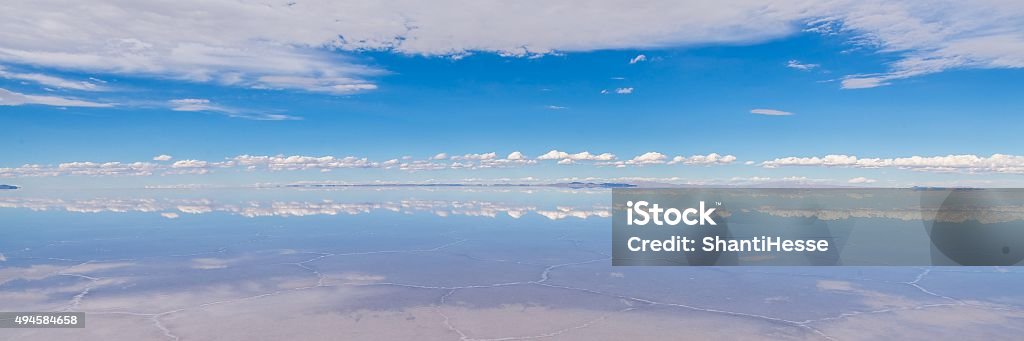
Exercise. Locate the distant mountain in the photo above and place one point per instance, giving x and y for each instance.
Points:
(8, 187)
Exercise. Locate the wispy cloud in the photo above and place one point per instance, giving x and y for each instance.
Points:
(194, 104)
(162, 157)
(770, 112)
(556, 107)
(242, 44)
(51, 81)
(865, 81)
(618, 91)
(205, 105)
(796, 64)
(929, 38)
(638, 59)
(335, 85)
(8, 97)
(228, 43)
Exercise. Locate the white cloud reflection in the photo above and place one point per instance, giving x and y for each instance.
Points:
(177, 208)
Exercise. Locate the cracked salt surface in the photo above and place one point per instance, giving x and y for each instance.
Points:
(437, 265)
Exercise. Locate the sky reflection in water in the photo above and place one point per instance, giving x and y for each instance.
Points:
(441, 263)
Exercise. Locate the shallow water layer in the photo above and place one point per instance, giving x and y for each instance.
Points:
(435, 263)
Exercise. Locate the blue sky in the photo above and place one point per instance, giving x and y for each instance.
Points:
(915, 104)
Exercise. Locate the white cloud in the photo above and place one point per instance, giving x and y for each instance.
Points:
(473, 161)
(10, 98)
(482, 156)
(864, 82)
(51, 81)
(648, 158)
(933, 37)
(861, 180)
(266, 117)
(439, 156)
(204, 105)
(796, 64)
(710, 159)
(193, 104)
(501, 163)
(331, 85)
(103, 169)
(170, 208)
(289, 45)
(996, 163)
(227, 42)
(553, 155)
(592, 157)
(555, 107)
(523, 29)
(656, 158)
(195, 167)
(299, 162)
(618, 91)
(162, 157)
(581, 156)
(638, 59)
(421, 165)
(190, 164)
(770, 112)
